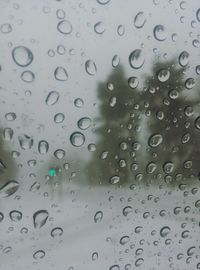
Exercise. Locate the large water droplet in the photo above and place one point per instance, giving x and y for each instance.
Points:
(28, 76)
(64, 27)
(155, 140)
(98, 216)
(136, 59)
(22, 56)
(77, 139)
(56, 232)
(39, 254)
(59, 118)
(15, 215)
(84, 123)
(183, 58)
(159, 32)
(165, 231)
(39, 218)
(52, 98)
(61, 74)
(9, 188)
(163, 75)
(43, 147)
(139, 20)
(25, 141)
(90, 67)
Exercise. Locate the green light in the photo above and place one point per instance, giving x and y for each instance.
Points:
(52, 172)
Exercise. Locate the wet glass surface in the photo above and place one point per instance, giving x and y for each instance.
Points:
(99, 134)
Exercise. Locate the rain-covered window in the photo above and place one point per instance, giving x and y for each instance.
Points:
(99, 134)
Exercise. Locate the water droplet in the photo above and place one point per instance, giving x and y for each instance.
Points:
(61, 49)
(133, 82)
(8, 134)
(59, 118)
(114, 267)
(9, 188)
(197, 69)
(197, 122)
(39, 254)
(77, 139)
(159, 32)
(139, 20)
(114, 179)
(163, 75)
(61, 74)
(165, 231)
(91, 147)
(25, 141)
(43, 147)
(90, 67)
(120, 30)
(155, 140)
(7, 250)
(39, 218)
(28, 76)
(185, 138)
(104, 155)
(64, 27)
(56, 232)
(22, 56)
(98, 216)
(124, 240)
(1, 216)
(60, 13)
(78, 102)
(95, 256)
(35, 186)
(59, 153)
(198, 14)
(15, 215)
(168, 167)
(139, 262)
(183, 58)
(11, 116)
(103, 2)
(127, 210)
(151, 167)
(52, 98)
(5, 28)
(99, 28)
(190, 83)
(84, 123)
(195, 43)
(136, 59)
(115, 61)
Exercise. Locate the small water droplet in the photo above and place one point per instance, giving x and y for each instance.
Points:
(43, 147)
(98, 216)
(139, 262)
(64, 27)
(1, 216)
(120, 30)
(103, 2)
(6, 28)
(190, 83)
(133, 82)
(163, 75)
(136, 59)
(39, 218)
(99, 28)
(39, 254)
(198, 14)
(11, 116)
(90, 67)
(52, 98)
(56, 232)
(159, 32)
(197, 69)
(59, 153)
(115, 61)
(8, 134)
(78, 102)
(15, 215)
(197, 122)
(95, 256)
(124, 240)
(59, 118)
(165, 231)
(84, 123)
(60, 13)
(61, 74)
(28, 76)
(25, 141)
(114, 179)
(183, 58)
(22, 56)
(77, 139)
(155, 140)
